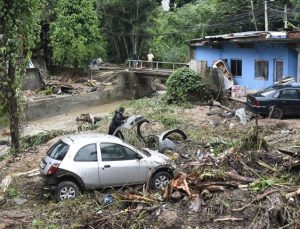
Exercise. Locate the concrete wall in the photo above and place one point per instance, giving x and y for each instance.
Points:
(129, 87)
(32, 79)
(260, 51)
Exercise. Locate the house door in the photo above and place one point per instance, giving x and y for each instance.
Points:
(278, 71)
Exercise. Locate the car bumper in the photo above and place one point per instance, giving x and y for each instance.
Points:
(50, 181)
(262, 110)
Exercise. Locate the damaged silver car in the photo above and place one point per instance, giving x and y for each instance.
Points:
(90, 161)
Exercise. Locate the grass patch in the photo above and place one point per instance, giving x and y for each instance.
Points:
(41, 138)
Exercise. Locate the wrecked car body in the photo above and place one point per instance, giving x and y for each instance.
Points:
(165, 141)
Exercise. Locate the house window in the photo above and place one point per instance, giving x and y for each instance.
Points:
(261, 69)
(236, 67)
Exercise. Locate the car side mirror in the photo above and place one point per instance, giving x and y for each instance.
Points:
(138, 156)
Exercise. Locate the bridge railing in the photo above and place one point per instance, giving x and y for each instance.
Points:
(155, 65)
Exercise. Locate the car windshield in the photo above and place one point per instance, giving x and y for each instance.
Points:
(58, 151)
(267, 91)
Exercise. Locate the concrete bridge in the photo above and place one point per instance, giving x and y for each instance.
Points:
(133, 83)
(154, 69)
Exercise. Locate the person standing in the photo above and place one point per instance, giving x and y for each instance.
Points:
(117, 121)
(150, 57)
(135, 60)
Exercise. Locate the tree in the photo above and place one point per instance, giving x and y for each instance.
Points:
(75, 34)
(125, 23)
(19, 29)
(174, 28)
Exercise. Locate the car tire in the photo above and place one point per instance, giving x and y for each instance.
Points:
(66, 190)
(276, 113)
(160, 179)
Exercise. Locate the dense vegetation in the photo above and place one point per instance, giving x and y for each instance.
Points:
(119, 28)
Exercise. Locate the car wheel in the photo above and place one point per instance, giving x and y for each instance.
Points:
(66, 190)
(160, 180)
(276, 113)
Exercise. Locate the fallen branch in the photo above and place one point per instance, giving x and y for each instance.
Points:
(237, 177)
(288, 152)
(263, 164)
(227, 184)
(228, 219)
(217, 104)
(258, 198)
(292, 194)
(136, 198)
(215, 188)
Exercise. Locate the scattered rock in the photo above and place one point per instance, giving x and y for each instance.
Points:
(168, 218)
(20, 201)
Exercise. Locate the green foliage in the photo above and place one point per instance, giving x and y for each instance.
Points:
(261, 184)
(169, 121)
(174, 28)
(34, 140)
(186, 85)
(127, 23)
(48, 90)
(253, 141)
(13, 193)
(75, 34)
(20, 28)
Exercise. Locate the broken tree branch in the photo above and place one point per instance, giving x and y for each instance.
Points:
(228, 219)
(237, 177)
(225, 183)
(258, 198)
(288, 152)
(217, 104)
(292, 194)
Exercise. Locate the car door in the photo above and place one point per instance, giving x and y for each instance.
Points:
(85, 165)
(289, 101)
(120, 166)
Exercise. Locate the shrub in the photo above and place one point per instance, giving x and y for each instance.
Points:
(185, 85)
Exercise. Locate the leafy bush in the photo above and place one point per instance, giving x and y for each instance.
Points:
(186, 85)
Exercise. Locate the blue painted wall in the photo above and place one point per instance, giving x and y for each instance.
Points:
(261, 51)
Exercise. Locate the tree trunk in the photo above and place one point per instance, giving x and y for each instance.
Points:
(13, 109)
(115, 44)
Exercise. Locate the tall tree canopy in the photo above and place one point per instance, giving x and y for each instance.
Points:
(19, 22)
(75, 34)
(125, 23)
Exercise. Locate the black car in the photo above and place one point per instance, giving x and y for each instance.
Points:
(276, 101)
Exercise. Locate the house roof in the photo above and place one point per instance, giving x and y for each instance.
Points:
(249, 37)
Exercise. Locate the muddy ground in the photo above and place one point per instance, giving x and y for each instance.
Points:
(232, 182)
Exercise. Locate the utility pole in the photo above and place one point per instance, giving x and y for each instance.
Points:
(266, 17)
(285, 17)
(252, 9)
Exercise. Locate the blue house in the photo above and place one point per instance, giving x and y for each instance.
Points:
(256, 59)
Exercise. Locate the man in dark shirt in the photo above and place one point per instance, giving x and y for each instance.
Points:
(117, 121)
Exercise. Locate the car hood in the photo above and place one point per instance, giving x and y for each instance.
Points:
(158, 157)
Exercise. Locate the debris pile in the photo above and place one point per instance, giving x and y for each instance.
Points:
(233, 189)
